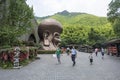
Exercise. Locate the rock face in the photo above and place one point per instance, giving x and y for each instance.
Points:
(49, 32)
(31, 36)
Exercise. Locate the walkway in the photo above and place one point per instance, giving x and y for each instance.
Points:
(47, 69)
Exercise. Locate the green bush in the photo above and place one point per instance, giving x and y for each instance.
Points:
(5, 46)
(6, 65)
(28, 43)
(46, 51)
(6, 50)
(24, 62)
(39, 46)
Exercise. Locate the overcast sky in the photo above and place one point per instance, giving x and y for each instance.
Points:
(49, 7)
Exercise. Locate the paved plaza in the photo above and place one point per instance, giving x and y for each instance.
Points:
(47, 68)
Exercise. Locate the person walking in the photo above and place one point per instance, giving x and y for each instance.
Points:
(91, 58)
(96, 51)
(73, 55)
(102, 53)
(58, 53)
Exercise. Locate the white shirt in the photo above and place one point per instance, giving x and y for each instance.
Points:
(73, 51)
(102, 50)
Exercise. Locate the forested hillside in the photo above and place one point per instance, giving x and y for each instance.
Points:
(82, 28)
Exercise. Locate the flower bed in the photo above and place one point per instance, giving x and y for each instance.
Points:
(25, 56)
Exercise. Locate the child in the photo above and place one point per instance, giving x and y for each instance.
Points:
(91, 58)
(102, 52)
(68, 51)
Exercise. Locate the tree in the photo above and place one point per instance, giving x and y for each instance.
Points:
(116, 26)
(114, 10)
(20, 15)
(15, 17)
(94, 37)
(114, 15)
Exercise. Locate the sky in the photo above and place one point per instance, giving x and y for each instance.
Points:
(44, 8)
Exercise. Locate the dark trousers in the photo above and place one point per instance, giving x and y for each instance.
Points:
(96, 53)
(58, 58)
(73, 59)
(102, 53)
(91, 60)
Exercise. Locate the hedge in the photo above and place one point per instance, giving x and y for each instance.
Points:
(46, 51)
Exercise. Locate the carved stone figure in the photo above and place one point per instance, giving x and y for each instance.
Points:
(49, 32)
(16, 57)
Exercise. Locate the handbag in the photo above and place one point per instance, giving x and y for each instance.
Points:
(54, 55)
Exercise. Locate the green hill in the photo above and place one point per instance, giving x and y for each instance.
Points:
(75, 18)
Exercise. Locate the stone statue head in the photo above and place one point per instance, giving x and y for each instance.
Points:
(49, 32)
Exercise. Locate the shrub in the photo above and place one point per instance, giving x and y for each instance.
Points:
(46, 51)
(24, 62)
(6, 65)
(5, 46)
(28, 43)
(39, 46)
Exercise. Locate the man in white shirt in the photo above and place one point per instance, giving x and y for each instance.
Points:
(73, 55)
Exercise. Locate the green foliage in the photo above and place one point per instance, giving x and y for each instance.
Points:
(46, 51)
(74, 35)
(6, 65)
(15, 20)
(24, 62)
(114, 10)
(116, 27)
(28, 43)
(114, 16)
(93, 36)
(8, 35)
